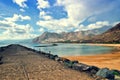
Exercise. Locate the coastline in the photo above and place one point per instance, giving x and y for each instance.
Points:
(110, 60)
(19, 62)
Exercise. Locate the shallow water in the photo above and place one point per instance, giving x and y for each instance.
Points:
(76, 49)
(69, 49)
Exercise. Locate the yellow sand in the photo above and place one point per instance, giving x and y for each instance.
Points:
(110, 60)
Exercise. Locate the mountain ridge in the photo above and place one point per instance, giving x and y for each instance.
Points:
(64, 36)
(112, 35)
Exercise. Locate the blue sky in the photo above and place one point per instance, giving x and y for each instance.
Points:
(24, 19)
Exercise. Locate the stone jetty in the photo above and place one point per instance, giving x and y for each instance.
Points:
(18, 62)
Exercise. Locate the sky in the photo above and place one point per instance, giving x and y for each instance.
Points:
(25, 19)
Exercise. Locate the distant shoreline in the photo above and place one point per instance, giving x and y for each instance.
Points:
(110, 60)
(99, 44)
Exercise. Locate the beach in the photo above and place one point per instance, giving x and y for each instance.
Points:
(110, 60)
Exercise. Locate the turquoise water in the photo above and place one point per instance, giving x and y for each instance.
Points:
(68, 49)
(72, 49)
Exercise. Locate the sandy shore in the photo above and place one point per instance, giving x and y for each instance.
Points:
(110, 60)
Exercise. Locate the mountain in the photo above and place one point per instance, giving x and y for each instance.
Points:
(48, 37)
(63, 37)
(96, 35)
(110, 36)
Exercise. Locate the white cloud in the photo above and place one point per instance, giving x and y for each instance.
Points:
(42, 4)
(41, 30)
(55, 25)
(43, 15)
(22, 10)
(98, 24)
(77, 12)
(81, 9)
(12, 30)
(24, 17)
(9, 36)
(21, 3)
(18, 32)
(17, 17)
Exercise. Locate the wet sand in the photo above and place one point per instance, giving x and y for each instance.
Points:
(110, 60)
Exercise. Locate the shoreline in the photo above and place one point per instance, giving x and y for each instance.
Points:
(110, 60)
(23, 63)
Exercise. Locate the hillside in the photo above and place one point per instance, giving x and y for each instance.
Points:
(47, 36)
(110, 36)
(63, 37)
(79, 36)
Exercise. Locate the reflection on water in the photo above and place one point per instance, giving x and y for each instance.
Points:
(69, 49)
(76, 49)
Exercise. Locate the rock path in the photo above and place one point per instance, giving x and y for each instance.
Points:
(22, 64)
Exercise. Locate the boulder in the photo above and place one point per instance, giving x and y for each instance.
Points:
(74, 62)
(36, 51)
(2, 49)
(33, 50)
(66, 60)
(69, 64)
(85, 68)
(93, 69)
(80, 66)
(63, 60)
(116, 74)
(1, 58)
(77, 67)
(106, 73)
(53, 56)
(57, 59)
(1, 62)
(47, 55)
(43, 53)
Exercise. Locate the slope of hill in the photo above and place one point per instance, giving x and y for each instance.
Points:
(104, 34)
(63, 37)
(48, 37)
(110, 36)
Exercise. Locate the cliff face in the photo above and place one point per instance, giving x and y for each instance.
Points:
(110, 36)
(55, 37)
(47, 36)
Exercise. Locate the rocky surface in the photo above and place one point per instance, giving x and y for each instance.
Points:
(63, 37)
(21, 63)
(110, 36)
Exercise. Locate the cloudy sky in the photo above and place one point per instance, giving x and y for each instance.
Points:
(24, 19)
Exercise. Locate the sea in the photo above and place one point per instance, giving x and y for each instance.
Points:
(63, 49)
